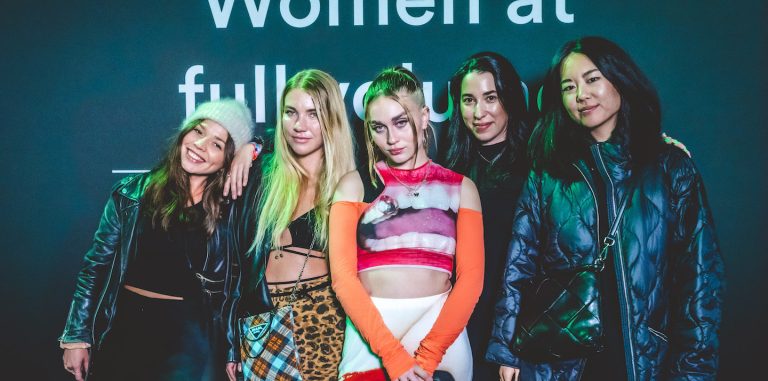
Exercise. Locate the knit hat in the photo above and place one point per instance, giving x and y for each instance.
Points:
(230, 114)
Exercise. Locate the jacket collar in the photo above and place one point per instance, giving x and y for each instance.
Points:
(133, 187)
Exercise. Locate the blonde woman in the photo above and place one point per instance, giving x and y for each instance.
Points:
(400, 229)
(291, 200)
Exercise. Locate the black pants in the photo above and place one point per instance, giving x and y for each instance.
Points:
(155, 339)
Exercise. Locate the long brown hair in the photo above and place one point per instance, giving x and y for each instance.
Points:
(168, 190)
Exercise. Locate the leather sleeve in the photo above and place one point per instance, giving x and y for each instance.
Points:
(92, 277)
(453, 317)
(697, 278)
(243, 230)
(354, 297)
(520, 265)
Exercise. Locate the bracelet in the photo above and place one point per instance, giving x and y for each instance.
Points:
(256, 150)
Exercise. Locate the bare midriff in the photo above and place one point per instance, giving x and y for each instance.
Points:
(405, 282)
(287, 267)
(151, 294)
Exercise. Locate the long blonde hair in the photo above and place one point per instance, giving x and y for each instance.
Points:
(284, 176)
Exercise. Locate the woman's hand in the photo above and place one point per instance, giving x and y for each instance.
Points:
(670, 140)
(416, 373)
(237, 177)
(76, 362)
(507, 373)
(232, 369)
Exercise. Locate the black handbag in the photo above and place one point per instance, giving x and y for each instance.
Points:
(559, 314)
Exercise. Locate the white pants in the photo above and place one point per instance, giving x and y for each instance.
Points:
(409, 320)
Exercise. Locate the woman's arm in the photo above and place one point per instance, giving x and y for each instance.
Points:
(697, 278)
(520, 265)
(78, 331)
(470, 265)
(239, 169)
(92, 276)
(354, 298)
(243, 228)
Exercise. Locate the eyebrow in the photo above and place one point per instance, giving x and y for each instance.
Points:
(489, 92)
(588, 72)
(396, 117)
(205, 128)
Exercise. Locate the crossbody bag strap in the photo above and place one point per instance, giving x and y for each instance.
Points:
(292, 297)
(610, 238)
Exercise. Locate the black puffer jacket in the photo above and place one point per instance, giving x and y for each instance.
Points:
(668, 264)
(103, 273)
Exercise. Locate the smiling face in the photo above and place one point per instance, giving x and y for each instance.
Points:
(590, 99)
(301, 124)
(203, 148)
(392, 132)
(481, 108)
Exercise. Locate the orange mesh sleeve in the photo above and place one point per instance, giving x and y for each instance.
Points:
(453, 317)
(353, 296)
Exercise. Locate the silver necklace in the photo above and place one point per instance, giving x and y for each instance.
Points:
(413, 191)
(491, 161)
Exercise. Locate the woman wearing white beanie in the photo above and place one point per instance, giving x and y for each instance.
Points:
(156, 289)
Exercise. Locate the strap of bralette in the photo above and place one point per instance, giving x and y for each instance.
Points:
(294, 251)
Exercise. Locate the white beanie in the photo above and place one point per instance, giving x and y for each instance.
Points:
(230, 114)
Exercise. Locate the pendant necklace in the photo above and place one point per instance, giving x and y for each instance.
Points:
(413, 190)
(491, 161)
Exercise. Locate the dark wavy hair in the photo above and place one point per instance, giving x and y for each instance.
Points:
(168, 190)
(458, 145)
(557, 139)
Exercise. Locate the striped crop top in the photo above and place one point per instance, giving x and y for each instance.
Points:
(412, 222)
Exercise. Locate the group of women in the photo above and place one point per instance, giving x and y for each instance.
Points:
(405, 268)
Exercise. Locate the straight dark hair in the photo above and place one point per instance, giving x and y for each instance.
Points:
(168, 190)
(557, 139)
(459, 145)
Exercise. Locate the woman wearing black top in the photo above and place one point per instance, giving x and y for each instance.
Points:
(155, 293)
(486, 142)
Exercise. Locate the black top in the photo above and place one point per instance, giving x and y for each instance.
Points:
(499, 182)
(166, 261)
(302, 236)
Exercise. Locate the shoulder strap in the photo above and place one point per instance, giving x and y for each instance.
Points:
(610, 239)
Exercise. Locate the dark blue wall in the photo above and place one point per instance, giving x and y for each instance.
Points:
(88, 87)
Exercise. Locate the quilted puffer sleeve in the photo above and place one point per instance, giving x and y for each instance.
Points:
(521, 254)
(698, 284)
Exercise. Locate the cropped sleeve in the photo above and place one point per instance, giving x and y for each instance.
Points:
(353, 296)
(453, 317)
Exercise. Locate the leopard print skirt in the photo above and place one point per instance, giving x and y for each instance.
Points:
(319, 324)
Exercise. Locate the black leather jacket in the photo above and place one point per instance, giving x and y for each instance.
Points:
(102, 276)
(255, 297)
(668, 265)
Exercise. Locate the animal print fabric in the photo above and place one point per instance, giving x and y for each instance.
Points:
(319, 324)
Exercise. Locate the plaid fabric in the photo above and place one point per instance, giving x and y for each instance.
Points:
(267, 347)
